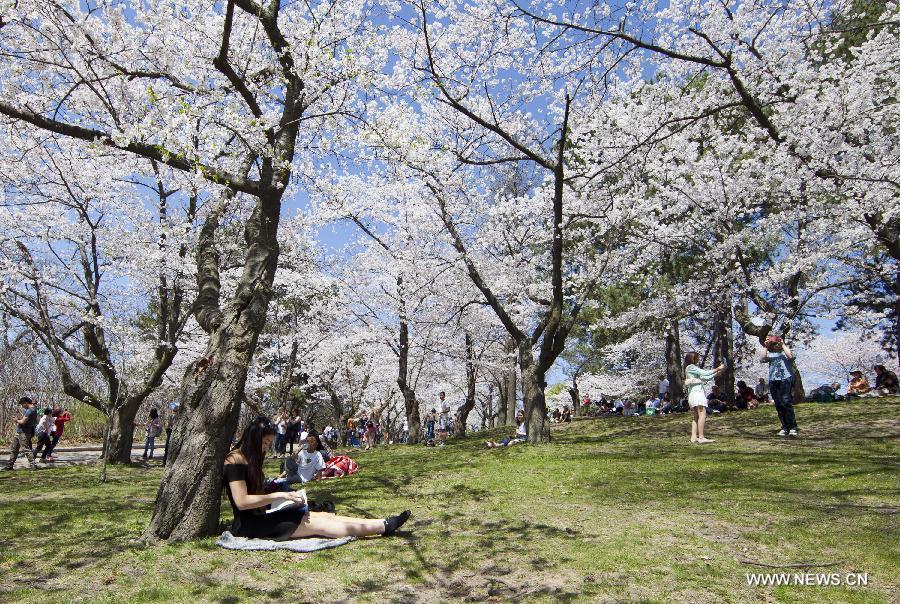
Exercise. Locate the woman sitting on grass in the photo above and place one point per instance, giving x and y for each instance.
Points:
(243, 478)
(520, 436)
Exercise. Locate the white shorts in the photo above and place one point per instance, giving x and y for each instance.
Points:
(697, 398)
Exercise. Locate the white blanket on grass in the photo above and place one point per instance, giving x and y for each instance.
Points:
(308, 544)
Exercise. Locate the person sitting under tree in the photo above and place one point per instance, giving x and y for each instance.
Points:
(885, 381)
(858, 385)
(520, 437)
(245, 488)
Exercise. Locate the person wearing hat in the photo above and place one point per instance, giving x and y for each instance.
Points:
(781, 382)
(859, 385)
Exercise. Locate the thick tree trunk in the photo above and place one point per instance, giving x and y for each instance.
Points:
(897, 316)
(121, 434)
(499, 413)
(187, 502)
(411, 406)
(724, 352)
(798, 392)
(533, 385)
(674, 371)
(510, 386)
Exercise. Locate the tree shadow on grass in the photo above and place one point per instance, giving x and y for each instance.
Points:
(500, 568)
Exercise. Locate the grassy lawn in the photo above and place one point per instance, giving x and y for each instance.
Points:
(615, 509)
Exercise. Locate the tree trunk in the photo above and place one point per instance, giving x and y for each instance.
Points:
(533, 385)
(897, 317)
(121, 434)
(798, 393)
(410, 404)
(187, 502)
(510, 386)
(674, 371)
(724, 352)
(462, 414)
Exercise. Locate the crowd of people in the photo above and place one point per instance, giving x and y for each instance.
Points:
(778, 389)
(38, 431)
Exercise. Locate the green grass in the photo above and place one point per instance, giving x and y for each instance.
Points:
(613, 510)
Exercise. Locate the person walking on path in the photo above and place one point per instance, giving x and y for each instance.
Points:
(781, 382)
(43, 432)
(154, 429)
(25, 426)
(61, 416)
(695, 378)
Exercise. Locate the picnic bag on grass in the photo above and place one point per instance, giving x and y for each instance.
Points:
(340, 465)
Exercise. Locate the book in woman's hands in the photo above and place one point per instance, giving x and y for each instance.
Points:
(286, 504)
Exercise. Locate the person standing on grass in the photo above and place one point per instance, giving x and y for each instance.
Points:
(443, 423)
(663, 387)
(152, 430)
(25, 426)
(430, 420)
(781, 382)
(61, 416)
(695, 378)
(43, 432)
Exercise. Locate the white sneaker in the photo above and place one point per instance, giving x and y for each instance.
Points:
(782, 433)
(793, 433)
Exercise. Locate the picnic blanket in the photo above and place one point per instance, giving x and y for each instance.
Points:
(308, 544)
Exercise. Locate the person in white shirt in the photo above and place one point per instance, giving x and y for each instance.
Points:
(405, 438)
(663, 386)
(652, 406)
(306, 465)
(520, 437)
(44, 430)
(281, 423)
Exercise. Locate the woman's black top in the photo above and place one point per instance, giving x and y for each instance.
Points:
(256, 523)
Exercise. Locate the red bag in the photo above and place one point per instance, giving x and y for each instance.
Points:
(340, 466)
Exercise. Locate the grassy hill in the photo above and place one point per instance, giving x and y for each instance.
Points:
(615, 509)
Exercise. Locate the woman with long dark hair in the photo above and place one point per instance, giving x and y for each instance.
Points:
(244, 485)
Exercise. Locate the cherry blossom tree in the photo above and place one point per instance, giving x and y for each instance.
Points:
(227, 92)
(99, 279)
